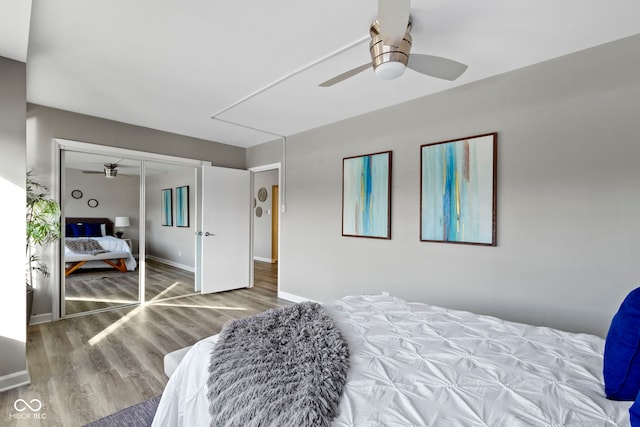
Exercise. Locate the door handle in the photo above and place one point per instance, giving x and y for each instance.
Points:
(206, 233)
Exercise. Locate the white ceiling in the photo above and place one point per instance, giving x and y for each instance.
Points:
(171, 65)
(14, 28)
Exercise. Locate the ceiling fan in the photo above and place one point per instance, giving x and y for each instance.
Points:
(390, 48)
(110, 170)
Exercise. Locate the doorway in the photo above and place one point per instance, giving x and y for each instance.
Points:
(266, 197)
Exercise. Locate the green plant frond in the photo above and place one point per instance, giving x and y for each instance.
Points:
(42, 224)
(35, 264)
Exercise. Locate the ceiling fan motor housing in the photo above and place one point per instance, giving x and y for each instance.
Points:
(110, 170)
(382, 53)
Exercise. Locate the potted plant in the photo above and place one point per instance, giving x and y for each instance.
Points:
(43, 228)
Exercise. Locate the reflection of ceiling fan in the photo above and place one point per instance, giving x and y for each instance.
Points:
(110, 170)
(390, 48)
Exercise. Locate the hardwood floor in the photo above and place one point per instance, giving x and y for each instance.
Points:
(89, 290)
(266, 275)
(84, 368)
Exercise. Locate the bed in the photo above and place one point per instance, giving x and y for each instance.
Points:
(414, 364)
(89, 243)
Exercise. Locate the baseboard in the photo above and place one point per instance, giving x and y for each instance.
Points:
(269, 260)
(37, 319)
(291, 297)
(172, 263)
(17, 379)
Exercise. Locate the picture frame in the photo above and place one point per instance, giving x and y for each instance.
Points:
(166, 209)
(458, 181)
(182, 206)
(366, 195)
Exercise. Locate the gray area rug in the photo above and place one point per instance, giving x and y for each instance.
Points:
(140, 415)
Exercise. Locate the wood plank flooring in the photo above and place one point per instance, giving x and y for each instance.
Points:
(84, 368)
(89, 290)
(268, 274)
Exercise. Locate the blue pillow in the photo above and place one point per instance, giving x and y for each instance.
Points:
(634, 413)
(92, 230)
(621, 351)
(69, 231)
(76, 230)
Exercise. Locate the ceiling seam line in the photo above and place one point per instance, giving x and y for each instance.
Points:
(248, 127)
(288, 76)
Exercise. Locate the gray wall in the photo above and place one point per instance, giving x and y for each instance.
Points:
(264, 154)
(13, 98)
(44, 124)
(262, 225)
(173, 244)
(568, 196)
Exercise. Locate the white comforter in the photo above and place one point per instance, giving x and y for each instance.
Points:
(110, 244)
(419, 365)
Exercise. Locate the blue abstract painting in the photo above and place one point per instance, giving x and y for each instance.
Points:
(182, 206)
(366, 196)
(166, 213)
(458, 181)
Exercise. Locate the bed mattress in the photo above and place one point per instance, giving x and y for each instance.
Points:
(116, 248)
(420, 365)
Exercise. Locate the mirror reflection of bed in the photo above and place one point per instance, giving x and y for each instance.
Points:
(109, 278)
(100, 269)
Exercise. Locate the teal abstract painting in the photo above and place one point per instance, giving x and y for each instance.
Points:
(166, 212)
(182, 206)
(458, 191)
(366, 196)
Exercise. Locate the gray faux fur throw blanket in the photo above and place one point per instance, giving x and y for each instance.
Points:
(84, 246)
(284, 367)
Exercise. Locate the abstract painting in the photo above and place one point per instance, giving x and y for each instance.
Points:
(366, 196)
(182, 206)
(458, 191)
(166, 214)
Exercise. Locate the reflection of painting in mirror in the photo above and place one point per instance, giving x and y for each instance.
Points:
(182, 206)
(167, 207)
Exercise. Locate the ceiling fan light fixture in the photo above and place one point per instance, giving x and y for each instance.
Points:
(390, 70)
(389, 62)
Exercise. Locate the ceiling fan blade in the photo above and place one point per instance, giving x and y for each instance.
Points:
(393, 17)
(436, 66)
(345, 75)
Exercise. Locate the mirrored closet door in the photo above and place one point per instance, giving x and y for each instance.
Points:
(169, 230)
(101, 212)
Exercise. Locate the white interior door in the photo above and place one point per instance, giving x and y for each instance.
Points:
(226, 226)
